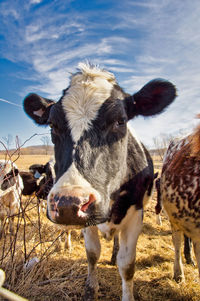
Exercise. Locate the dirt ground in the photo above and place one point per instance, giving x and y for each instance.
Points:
(60, 274)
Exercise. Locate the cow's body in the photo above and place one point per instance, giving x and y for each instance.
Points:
(11, 186)
(29, 182)
(103, 172)
(180, 194)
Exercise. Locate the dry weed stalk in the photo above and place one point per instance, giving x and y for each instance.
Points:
(28, 241)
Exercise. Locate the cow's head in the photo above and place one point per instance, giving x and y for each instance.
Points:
(8, 174)
(89, 133)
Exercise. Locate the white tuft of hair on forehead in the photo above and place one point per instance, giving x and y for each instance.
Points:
(88, 90)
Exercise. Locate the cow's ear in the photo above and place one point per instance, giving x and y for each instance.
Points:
(152, 99)
(38, 108)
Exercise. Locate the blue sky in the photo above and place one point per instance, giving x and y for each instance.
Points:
(42, 42)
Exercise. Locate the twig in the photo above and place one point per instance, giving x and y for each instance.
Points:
(39, 222)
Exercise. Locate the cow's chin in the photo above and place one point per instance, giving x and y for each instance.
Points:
(77, 218)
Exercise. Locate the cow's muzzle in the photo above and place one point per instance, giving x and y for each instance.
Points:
(71, 207)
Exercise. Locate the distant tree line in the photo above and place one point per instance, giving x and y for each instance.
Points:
(7, 142)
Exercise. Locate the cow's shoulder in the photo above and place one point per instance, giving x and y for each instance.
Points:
(109, 229)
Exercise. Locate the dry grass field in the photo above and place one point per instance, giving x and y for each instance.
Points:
(60, 275)
(24, 161)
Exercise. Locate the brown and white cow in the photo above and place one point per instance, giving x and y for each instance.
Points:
(103, 172)
(187, 240)
(11, 186)
(180, 194)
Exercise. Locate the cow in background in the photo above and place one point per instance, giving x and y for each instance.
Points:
(30, 183)
(11, 186)
(180, 194)
(187, 240)
(103, 172)
(46, 177)
(44, 174)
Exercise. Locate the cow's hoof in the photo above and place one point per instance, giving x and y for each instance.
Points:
(179, 277)
(190, 261)
(91, 294)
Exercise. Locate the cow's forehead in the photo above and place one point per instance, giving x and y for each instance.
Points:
(88, 90)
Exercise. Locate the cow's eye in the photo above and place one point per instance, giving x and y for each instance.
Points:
(119, 124)
(51, 125)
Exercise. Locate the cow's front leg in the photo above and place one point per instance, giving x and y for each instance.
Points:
(93, 249)
(127, 252)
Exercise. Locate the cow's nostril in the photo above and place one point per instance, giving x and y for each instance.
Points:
(85, 206)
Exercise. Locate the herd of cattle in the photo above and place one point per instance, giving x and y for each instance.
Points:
(104, 175)
(14, 183)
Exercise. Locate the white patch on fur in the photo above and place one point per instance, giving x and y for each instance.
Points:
(127, 251)
(88, 90)
(9, 198)
(93, 247)
(51, 166)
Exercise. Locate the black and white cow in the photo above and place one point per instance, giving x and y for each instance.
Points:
(39, 179)
(103, 172)
(180, 194)
(46, 176)
(11, 186)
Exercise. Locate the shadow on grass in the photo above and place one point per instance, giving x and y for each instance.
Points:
(154, 260)
(150, 230)
(159, 289)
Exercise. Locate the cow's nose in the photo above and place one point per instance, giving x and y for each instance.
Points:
(70, 208)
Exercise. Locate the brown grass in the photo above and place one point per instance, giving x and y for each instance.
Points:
(61, 275)
(24, 161)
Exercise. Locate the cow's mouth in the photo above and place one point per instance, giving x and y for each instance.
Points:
(71, 210)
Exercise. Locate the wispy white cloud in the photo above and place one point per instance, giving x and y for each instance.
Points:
(138, 41)
(171, 50)
(35, 1)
